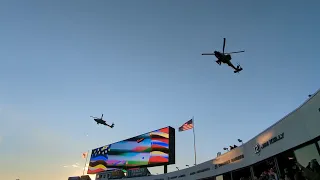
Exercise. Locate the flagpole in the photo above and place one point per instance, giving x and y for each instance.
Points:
(194, 143)
(85, 163)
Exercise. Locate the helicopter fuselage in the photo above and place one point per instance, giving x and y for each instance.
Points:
(225, 58)
(99, 121)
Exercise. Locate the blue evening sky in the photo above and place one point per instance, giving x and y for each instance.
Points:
(140, 63)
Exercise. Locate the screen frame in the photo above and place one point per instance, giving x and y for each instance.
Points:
(171, 154)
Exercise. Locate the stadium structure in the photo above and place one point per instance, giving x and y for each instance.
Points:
(293, 140)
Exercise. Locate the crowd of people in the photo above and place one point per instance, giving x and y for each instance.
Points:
(296, 172)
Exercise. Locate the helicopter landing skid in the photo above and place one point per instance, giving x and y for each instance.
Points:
(218, 62)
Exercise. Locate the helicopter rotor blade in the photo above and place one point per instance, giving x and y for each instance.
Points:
(224, 45)
(207, 54)
(235, 52)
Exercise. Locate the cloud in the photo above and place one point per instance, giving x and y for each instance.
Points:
(76, 165)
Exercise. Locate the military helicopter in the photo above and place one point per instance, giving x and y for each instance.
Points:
(225, 57)
(101, 121)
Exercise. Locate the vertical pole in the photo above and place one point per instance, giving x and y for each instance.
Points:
(165, 169)
(85, 164)
(318, 143)
(194, 143)
(251, 172)
(277, 170)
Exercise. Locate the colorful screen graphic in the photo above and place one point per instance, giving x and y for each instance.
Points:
(150, 149)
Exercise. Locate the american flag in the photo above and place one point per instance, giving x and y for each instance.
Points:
(186, 126)
(84, 155)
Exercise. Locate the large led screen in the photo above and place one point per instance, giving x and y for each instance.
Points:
(155, 148)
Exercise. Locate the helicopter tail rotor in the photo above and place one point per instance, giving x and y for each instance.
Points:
(239, 68)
